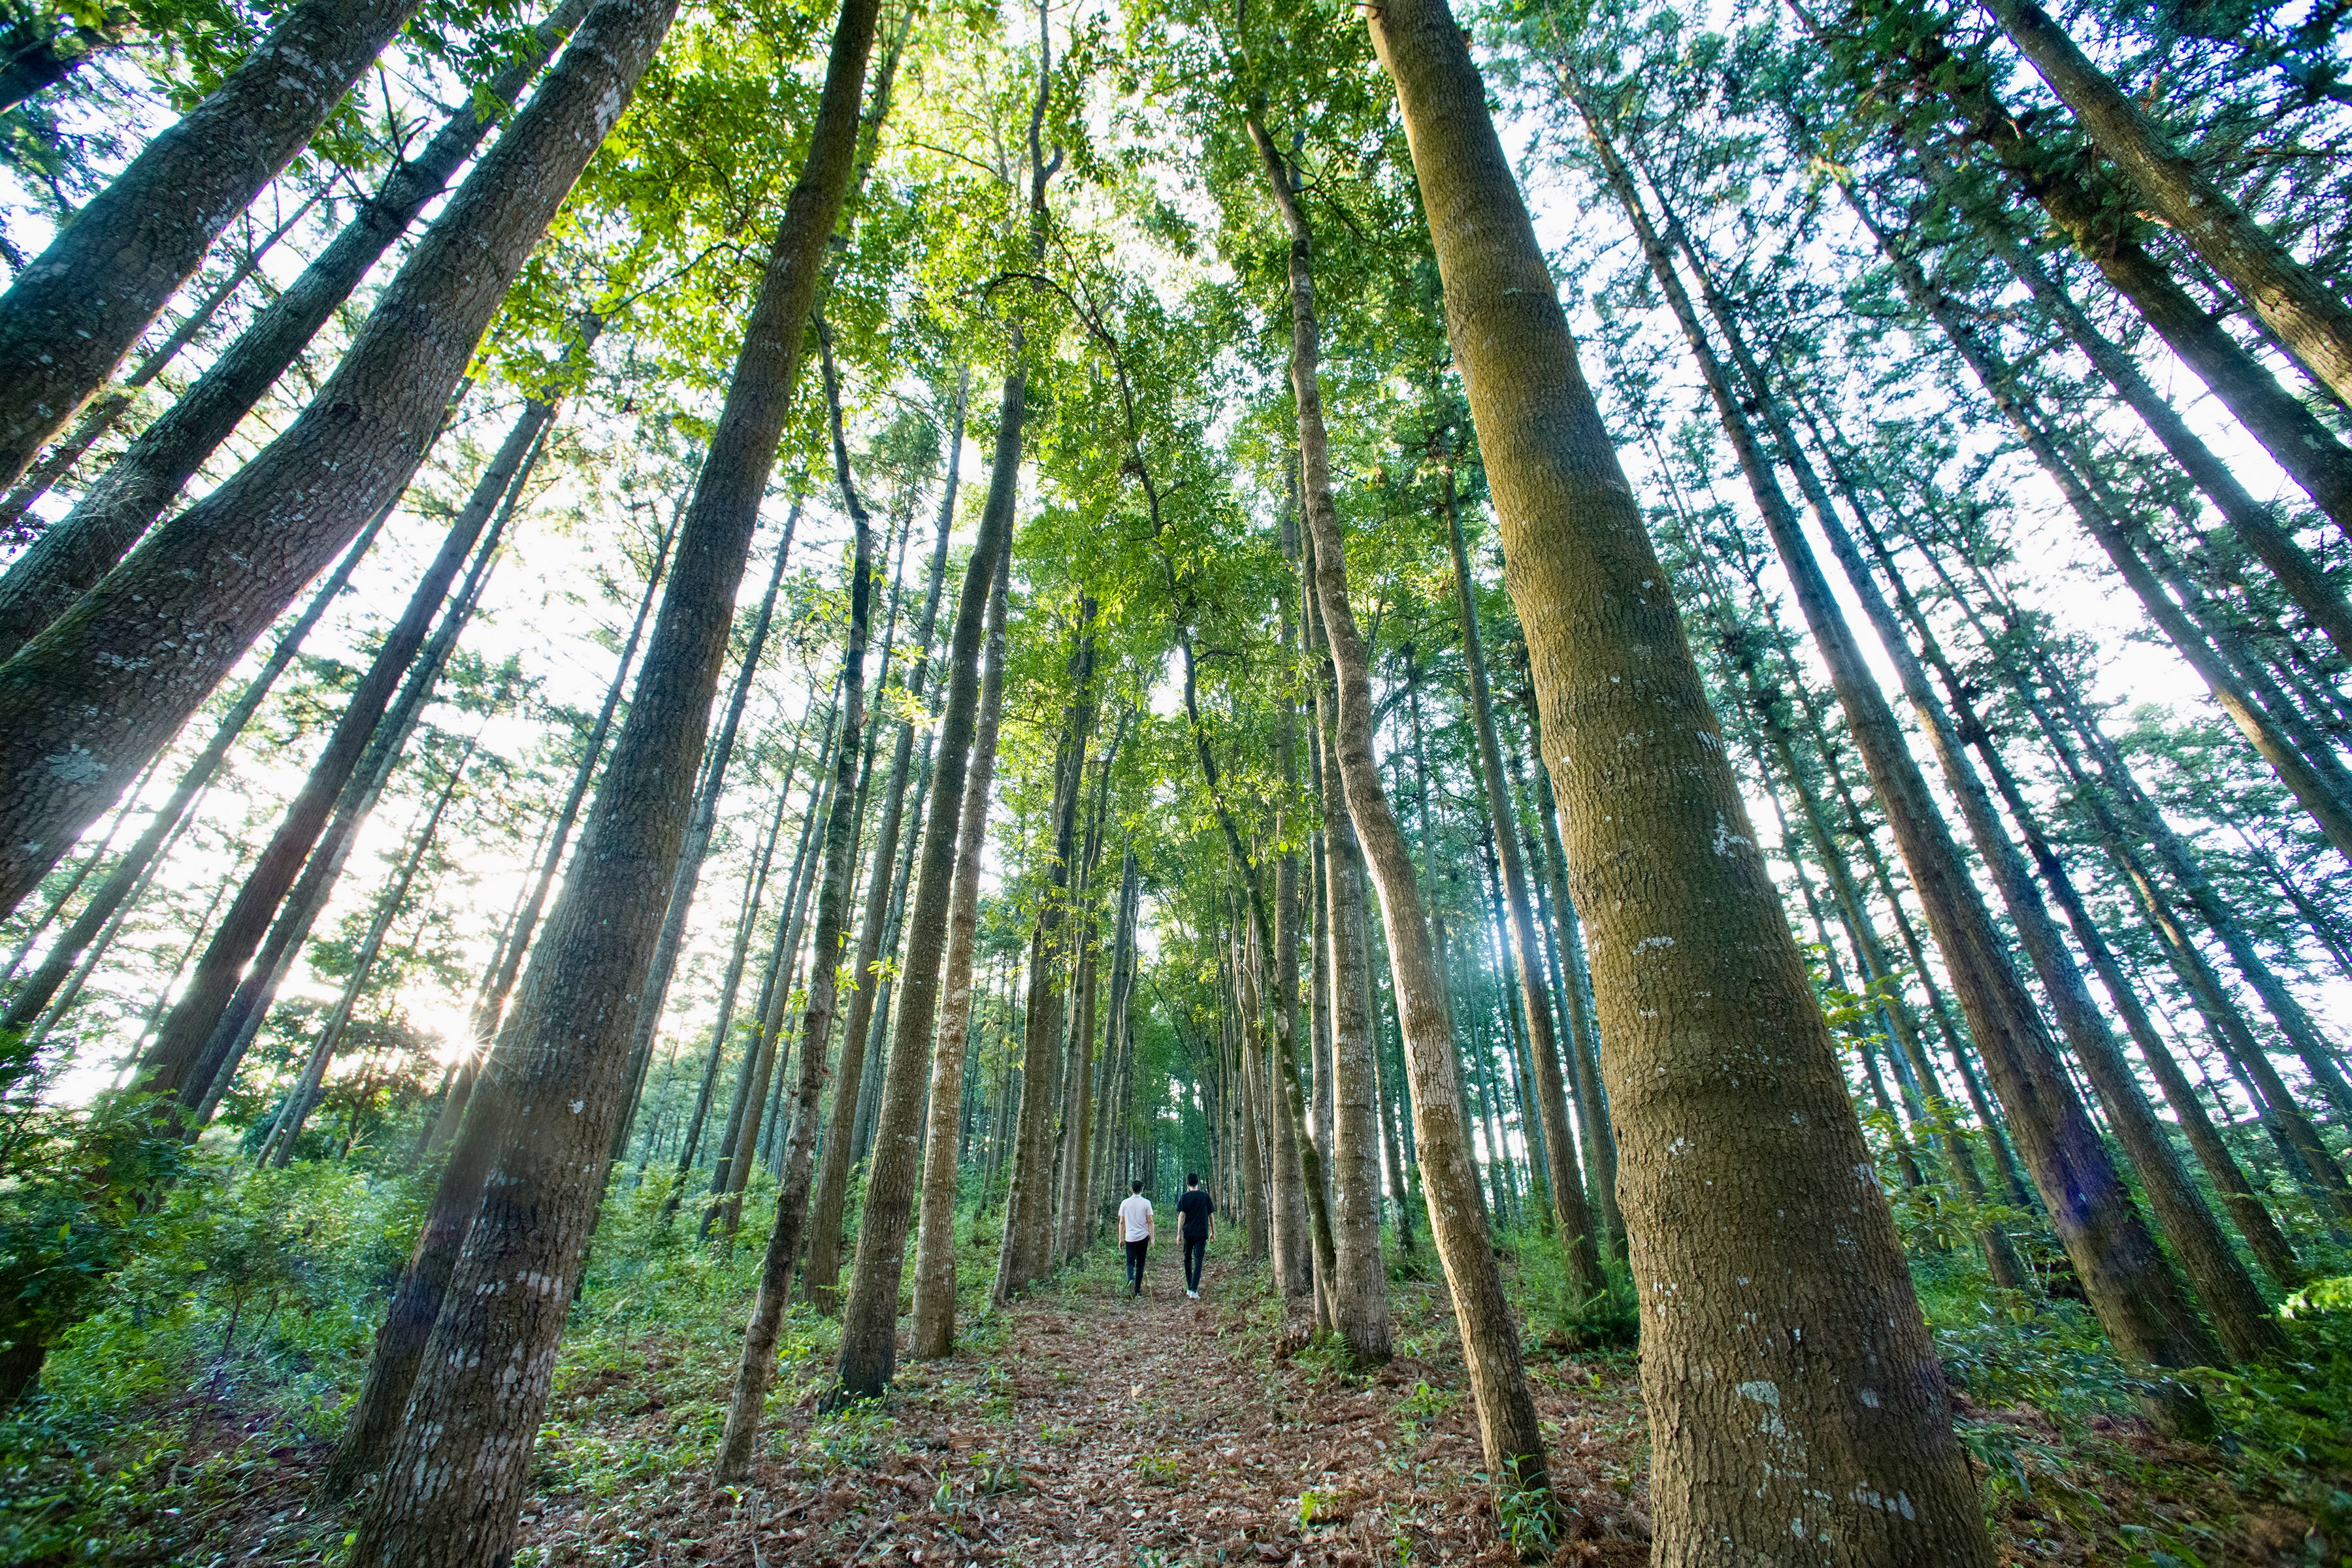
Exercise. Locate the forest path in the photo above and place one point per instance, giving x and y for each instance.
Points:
(1079, 1427)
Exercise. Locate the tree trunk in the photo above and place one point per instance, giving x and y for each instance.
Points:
(1567, 1182)
(935, 1263)
(80, 306)
(456, 1474)
(33, 994)
(757, 1366)
(1024, 1254)
(2308, 316)
(2301, 576)
(2220, 1280)
(940, 930)
(654, 993)
(1359, 1291)
(2127, 1279)
(78, 549)
(212, 577)
(1592, 1104)
(277, 1149)
(2104, 226)
(1659, 838)
(101, 413)
(821, 1276)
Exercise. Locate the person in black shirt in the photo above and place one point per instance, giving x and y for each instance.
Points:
(1195, 1207)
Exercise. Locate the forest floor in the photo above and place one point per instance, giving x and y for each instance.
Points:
(1081, 1427)
(1086, 1427)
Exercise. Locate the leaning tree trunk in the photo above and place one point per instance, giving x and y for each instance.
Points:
(25, 1002)
(655, 991)
(2220, 1280)
(757, 1366)
(456, 1474)
(2103, 224)
(209, 580)
(1694, 965)
(2301, 576)
(2309, 317)
(102, 412)
(77, 309)
(78, 549)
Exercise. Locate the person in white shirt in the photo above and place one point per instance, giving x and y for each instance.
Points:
(1135, 1229)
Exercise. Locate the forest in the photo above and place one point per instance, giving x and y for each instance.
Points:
(685, 688)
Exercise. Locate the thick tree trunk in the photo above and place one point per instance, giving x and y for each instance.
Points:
(1659, 838)
(209, 580)
(80, 307)
(2229, 1295)
(78, 549)
(2309, 317)
(935, 1266)
(33, 994)
(939, 923)
(102, 412)
(456, 1474)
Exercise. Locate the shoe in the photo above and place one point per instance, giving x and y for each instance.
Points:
(1194, 1294)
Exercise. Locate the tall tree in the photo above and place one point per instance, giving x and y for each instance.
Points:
(1681, 1006)
(453, 1478)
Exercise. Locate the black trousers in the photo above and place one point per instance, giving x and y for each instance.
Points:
(1135, 1251)
(1196, 1252)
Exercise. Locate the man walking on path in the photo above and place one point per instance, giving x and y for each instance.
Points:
(1193, 1210)
(1135, 1227)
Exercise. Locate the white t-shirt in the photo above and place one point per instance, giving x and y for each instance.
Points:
(1134, 1216)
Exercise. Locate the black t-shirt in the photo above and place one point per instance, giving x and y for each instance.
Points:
(1196, 1208)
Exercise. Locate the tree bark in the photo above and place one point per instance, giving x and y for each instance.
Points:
(33, 994)
(456, 1475)
(2125, 1278)
(71, 315)
(78, 549)
(1025, 1252)
(940, 921)
(935, 1269)
(821, 1278)
(208, 581)
(654, 993)
(757, 1366)
(1736, 1204)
